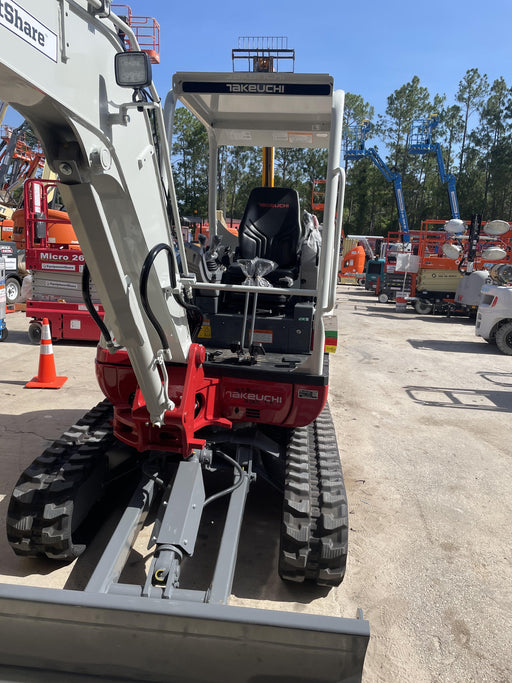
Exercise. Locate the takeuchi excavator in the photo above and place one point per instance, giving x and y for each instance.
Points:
(213, 363)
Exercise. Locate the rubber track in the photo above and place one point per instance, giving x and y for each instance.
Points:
(314, 532)
(55, 493)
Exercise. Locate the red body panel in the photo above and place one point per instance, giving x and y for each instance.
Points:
(55, 260)
(210, 400)
(67, 320)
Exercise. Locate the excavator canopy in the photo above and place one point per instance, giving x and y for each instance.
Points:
(260, 109)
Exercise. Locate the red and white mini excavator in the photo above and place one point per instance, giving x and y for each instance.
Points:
(214, 370)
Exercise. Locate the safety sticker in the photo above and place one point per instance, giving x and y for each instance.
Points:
(331, 342)
(301, 138)
(263, 336)
(206, 330)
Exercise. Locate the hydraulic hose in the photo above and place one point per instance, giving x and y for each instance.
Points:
(232, 488)
(86, 293)
(194, 315)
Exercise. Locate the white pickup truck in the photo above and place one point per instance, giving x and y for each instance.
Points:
(494, 317)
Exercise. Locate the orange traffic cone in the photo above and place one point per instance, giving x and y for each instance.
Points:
(46, 376)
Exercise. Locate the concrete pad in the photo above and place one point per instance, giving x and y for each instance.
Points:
(422, 410)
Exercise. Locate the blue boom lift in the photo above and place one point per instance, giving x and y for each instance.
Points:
(354, 149)
(420, 142)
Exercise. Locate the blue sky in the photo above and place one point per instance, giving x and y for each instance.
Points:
(371, 48)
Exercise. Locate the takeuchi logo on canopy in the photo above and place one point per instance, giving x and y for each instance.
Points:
(266, 88)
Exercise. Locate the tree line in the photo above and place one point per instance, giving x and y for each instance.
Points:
(474, 130)
(475, 133)
(239, 170)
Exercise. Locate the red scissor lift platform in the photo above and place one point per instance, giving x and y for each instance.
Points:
(146, 30)
(56, 262)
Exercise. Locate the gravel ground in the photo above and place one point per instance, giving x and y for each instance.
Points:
(422, 411)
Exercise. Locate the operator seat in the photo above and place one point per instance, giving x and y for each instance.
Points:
(270, 229)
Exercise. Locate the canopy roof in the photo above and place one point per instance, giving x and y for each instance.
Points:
(260, 109)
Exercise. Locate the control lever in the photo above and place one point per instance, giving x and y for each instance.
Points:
(254, 270)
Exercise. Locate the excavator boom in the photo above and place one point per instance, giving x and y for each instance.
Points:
(104, 150)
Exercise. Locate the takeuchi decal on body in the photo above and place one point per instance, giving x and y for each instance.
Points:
(254, 397)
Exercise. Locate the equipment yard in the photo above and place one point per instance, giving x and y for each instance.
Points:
(176, 429)
(422, 412)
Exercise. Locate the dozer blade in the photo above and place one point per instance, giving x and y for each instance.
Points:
(54, 635)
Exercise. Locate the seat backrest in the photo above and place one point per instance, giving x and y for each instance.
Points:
(270, 227)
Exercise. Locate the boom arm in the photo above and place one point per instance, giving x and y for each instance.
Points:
(447, 178)
(420, 142)
(396, 179)
(355, 149)
(112, 157)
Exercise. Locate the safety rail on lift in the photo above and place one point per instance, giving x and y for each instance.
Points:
(146, 30)
(21, 157)
(24, 149)
(45, 227)
(318, 195)
(354, 140)
(263, 53)
(425, 242)
(425, 247)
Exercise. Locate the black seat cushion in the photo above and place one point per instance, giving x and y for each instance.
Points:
(270, 227)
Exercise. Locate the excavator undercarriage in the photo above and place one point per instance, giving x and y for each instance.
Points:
(50, 514)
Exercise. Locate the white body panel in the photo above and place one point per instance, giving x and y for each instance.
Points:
(495, 307)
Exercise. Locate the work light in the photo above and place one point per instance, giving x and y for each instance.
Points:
(133, 70)
(493, 254)
(452, 251)
(454, 226)
(496, 227)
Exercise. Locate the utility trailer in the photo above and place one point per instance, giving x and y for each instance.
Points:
(219, 372)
